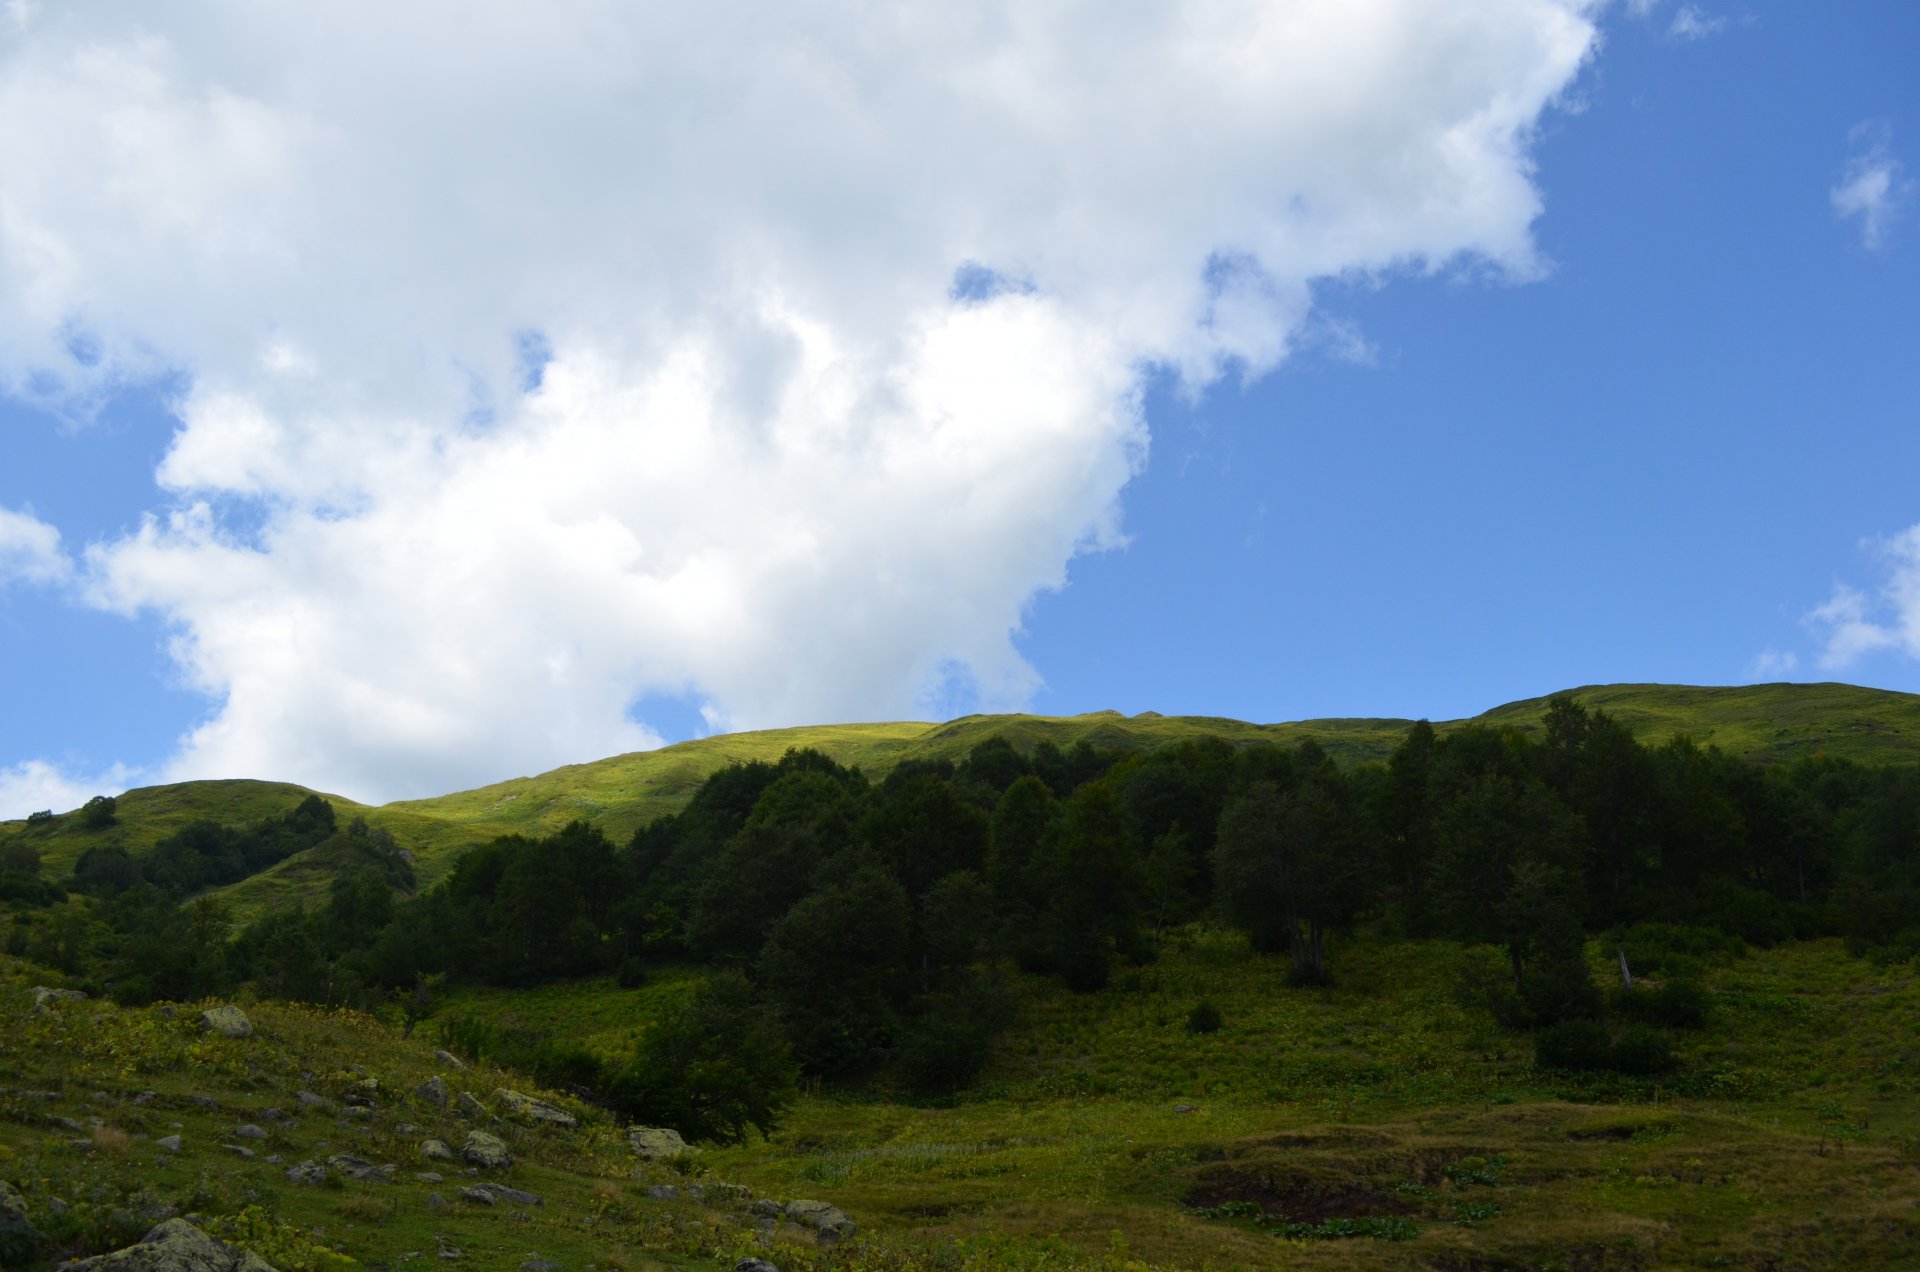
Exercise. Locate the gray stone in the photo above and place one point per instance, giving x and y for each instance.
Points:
(468, 1107)
(755, 1265)
(146, 1097)
(436, 1149)
(20, 1241)
(204, 1101)
(539, 1265)
(1185, 1108)
(434, 1091)
(310, 1173)
(308, 1100)
(449, 1059)
(486, 1151)
(249, 1131)
(228, 1021)
(436, 1202)
(655, 1143)
(169, 1142)
(45, 998)
(360, 1168)
(241, 1149)
(404, 1128)
(720, 1194)
(429, 1176)
(767, 1206)
(527, 1109)
(175, 1246)
(663, 1192)
(487, 1194)
(830, 1222)
(273, 1115)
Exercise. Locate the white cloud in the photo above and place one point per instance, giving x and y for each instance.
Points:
(33, 785)
(1689, 23)
(30, 550)
(1873, 188)
(772, 462)
(1857, 623)
(1773, 664)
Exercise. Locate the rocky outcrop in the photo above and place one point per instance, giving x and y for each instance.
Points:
(175, 1246)
(488, 1152)
(655, 1143)
(46, 998)
(434, 1092)
(228, 1021)
(830, 1222)
(20, 1241)
(525, 1108)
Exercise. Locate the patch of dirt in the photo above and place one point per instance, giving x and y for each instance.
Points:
(1298, 1198)
(1603, 1133)
(1337, 1139)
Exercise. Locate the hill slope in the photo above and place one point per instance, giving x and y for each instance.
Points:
(1766, 723)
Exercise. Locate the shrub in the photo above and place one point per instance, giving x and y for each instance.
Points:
(1573, 1044)
(632, 974)
(1680, 1004)
(1203, 1019)
(1641, 1051)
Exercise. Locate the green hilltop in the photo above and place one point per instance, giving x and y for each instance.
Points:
(1773, 723)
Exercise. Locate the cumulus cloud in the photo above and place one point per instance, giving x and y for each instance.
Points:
(1856, 623)
(559, 358)
(36, 785)
(1873, 188)
(30, 550)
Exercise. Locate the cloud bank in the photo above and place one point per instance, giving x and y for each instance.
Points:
(543, 360)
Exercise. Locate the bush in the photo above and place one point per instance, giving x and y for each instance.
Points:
(1680, 1004)
(1641, 1051)
(1573, 1044)
(632, 974)
(1203, 1019)
(1676, 950)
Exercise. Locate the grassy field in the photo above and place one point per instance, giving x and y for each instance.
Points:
(1770, 723)
(1372, 1125)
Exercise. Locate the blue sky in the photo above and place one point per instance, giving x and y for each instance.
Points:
(1294, 421)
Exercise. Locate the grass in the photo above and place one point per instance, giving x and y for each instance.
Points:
(1770, 723)
(1373, 1124)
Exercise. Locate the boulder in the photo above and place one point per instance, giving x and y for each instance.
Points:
(434, 1091)
(468, 1107)
(169, 1142)
(46, 998)
(830, 1222)
(360, 1168)
(308, 1100)
(663, 1192)
(488, 1152)
(755, 1265)
(175, 1246)
(249, 1131)
(20, 1241)
(654, 1143)
(449, 1059)
(487, 1194)
(310, 1173)
(229, 1022)
(527, 1109)
(436, 1149)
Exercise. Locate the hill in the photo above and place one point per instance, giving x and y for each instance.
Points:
(1768, 723)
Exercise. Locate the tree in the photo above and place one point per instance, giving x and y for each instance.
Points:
(713, 1068)
(99, 812)
(833, 971)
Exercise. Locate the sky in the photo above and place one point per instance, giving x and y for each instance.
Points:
(399, 399)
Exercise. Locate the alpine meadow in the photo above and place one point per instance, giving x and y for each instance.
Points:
(1032, 635)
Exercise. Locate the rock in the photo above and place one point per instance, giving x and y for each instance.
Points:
(468, 1107)
(539, 1265)
(663, 1192)
(434, 1091)
(436, 1202)
(73, 1124)
(486, 1151)
(655, 1143)
(204, 1101)
(273, 1159)
(273, 1115)
(528, 1109)
(1185, 1108)
(20, 1241)
(429, 1176)
(308, 1100)
(449, 1059)
(360, 1111)
(146, 1097)
(241, 1149)
(830, 1222)
(175, 1246)
(404, 1128)
(436, 1149)
(228, 1021)
(46, 998)
(309, 1173)
(249, 1131)
(767, 1206)
(727, 1195)
(360, 1168)
(169, 1142)
(755, 1265)
(487, 1194)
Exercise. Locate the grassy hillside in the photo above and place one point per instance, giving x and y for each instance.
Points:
(1373, 1125)
(1769, 723)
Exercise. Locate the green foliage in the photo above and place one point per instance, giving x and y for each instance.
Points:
(1203, 1019)
(1573, 1044)
(714, 1068)
(1676, 1004)
(99, 812)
